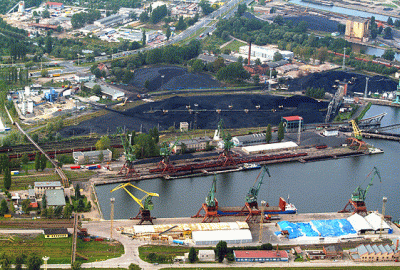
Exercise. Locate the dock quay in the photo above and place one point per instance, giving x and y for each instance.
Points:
(303, 155)
(382, 136)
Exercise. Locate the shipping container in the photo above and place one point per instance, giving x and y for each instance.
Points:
(75, 167)
(14, 172)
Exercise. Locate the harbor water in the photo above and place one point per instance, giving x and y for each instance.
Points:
(341, 10)
(323, 186)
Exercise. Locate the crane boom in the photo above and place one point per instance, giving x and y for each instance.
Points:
(252, 195)
(359, 193)
(356, 131)
(210, 199)
(145, 202)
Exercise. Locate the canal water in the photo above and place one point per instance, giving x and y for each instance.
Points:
(323, 186)
(342, 10)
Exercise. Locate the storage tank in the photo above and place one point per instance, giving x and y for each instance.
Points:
(30, 106)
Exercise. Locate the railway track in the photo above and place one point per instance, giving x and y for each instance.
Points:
(38, 224)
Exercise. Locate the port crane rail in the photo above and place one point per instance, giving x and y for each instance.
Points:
(210, 206)
(145, 203)
(251, 203)
(357, 202)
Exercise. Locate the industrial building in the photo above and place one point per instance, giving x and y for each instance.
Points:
(92, 156)
(41, 187)
(330, 132)
(265, 54)
(368, 253)
(55, 197)
(84, 77)
(212, 238)
(249, 139)
(269, 148)
(377, 224)
(108, 92)
(55, 5)
(111, 20)
(292, 123)
(260, 255)
(333, 252)
(55, 233)
(357, 29)
(191, 144)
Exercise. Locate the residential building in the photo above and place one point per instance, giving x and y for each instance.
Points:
(368, 253)
(41, 187)
(56, 233)
(55, 197)
(333, 252)
(357, 29)
(260, 255)
(315, 254)
(84, 77)
(92, 156)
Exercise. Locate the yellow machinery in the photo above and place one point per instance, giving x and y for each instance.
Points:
(146, 204)
(356, 140)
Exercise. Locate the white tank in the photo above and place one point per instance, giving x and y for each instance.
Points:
(27, 91)
(21, 7)
(30, 106)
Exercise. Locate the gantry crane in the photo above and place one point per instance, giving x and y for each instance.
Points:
(165, 152)
(357, 202)
(251, 198)
(357, 139)
(130, 155)
(146, 203)
(226, 155)
(210, 206)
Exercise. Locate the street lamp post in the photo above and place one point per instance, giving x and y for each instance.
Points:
(261, 221)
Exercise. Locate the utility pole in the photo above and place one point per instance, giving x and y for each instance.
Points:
(261, 221)
(344, 59)
(384, 200)
(299, 132)
(112, 200)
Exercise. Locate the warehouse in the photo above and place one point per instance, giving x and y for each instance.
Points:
(265, 53)
(92, 156)
(377, 223)
(261, 255)
(229, 236)
(249, 139)
(55, 197)
(107, 91)
(269, 148)
(360, 224)
(111, 20)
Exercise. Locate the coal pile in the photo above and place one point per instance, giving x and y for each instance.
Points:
(172, 78)
(328, 79)
(149, 115)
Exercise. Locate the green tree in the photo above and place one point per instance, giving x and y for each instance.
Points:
(3, 207)
(67, 212)
(205, 7)
(168, 33)
(25, 160)
(322, 54)
(241, 9)
(43, 162)
(390, 21)
(26, 205)
(50, 212)
(197, 66)
(221, 250)
(144, 38)
(192, 255)
(46, 13)
(34, 262)
(134, 267)
(181, 25)
(19, 261)
(58, 210)
(104, 143)
(281, 132)
(268, 134)
(5, 262)
(388, 33)
(44, 73)
(44, 201)
(49, 44)
(7, 178)
(278, 56)
(76, 266)
(256, 79)
(258, 61)
(147, 84)
(388, 55)
(266, 246)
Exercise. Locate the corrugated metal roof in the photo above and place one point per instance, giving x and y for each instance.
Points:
(269, 147)
(48, 184)
(293, 118)
(222, 235)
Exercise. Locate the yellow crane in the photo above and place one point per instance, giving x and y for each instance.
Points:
(145, 203)
(356, 140)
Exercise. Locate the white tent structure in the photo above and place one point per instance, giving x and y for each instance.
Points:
(376, 222)
(229, 236)
(360, 224)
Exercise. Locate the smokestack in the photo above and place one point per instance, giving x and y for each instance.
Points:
(345, 90)
(248, 57)
(397, 244)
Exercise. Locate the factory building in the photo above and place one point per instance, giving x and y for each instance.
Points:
(264, 53)
(41, 187)
(111, 20)
(260, 255)
(192, 145)
(292, 123)
(249, 139)
(212, 238)
(92, 156)
(368, 253)
(357, 29)
(84, 77)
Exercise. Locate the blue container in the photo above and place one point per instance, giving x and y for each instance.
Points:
(179, 242)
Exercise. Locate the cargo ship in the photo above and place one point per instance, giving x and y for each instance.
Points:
(283, 208)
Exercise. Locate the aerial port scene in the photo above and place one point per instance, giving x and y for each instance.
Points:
(200, 134)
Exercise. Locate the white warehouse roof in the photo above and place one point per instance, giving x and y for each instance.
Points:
(376, 220)
(359, 223)
(229, 236)
(269, 147)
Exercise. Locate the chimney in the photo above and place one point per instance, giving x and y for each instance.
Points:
(397, 244)
(248, 58)
(345, 90)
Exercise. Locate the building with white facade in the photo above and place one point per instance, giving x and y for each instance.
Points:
(265, 54)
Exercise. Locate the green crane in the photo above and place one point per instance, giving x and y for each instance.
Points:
(210, 199)
(130, 155)
(165, 153)
(359, 194)
(228, 145)
(251, 197)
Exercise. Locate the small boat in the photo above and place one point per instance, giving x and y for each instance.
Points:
(250, 166)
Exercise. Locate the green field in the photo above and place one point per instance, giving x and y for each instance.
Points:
(168, 251)
(234, 45)
(59, 250)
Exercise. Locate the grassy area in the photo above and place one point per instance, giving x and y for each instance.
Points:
(59, 250)
(79, 175)
(168, 251)
(361, 116)
(234, 45)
